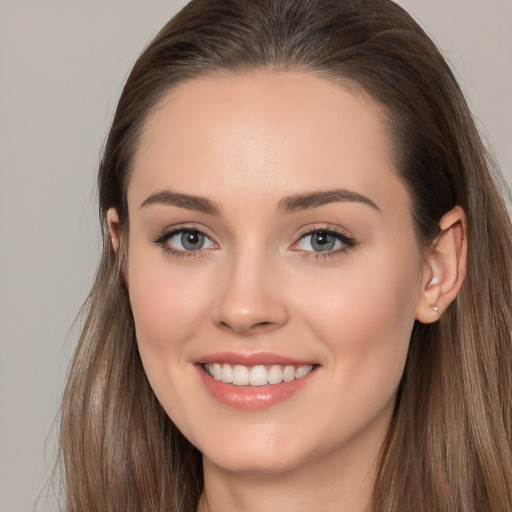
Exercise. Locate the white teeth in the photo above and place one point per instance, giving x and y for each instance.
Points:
(240, 375)
(259, 375)
(227, 373)
(302, 371)
(216, 371)
(289, 373)
(275, 375)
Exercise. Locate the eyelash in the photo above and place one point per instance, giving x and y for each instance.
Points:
(164, 237)
(348, 242)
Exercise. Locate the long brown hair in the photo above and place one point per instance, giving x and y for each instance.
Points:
(449, 444)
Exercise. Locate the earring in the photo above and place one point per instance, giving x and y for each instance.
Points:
(435, 309)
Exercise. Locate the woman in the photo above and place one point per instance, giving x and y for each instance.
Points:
(304, 298)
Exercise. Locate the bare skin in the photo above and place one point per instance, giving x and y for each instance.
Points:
(226, 263)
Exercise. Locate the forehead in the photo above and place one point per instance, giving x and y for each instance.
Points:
(264, 132)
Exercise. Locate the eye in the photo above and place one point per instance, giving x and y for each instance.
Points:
(185, 241)
(323, 241)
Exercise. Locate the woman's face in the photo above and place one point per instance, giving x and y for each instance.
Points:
(271, 243)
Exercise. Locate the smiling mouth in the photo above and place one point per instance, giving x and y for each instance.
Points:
(259, 375)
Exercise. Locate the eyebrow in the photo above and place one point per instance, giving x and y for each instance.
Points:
(309, 200)
(190, 202)
(288, 204)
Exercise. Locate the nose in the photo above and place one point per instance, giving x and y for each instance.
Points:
(251, 298)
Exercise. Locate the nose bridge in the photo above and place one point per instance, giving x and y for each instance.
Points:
(249, 298)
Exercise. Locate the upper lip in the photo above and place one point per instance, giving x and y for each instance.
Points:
(252, 359)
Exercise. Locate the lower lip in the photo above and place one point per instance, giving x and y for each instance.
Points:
(252, 397)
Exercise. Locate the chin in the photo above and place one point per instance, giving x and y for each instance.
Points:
(253, 461)
(268, 452)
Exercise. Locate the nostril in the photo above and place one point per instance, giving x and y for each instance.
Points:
(247, 328)
(261, 325)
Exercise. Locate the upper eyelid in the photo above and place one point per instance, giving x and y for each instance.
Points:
(162, 239)
(338, 232)
(170, 231)
(307, 230)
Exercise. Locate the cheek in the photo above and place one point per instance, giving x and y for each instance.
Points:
(168, 305)
(366, 318)
(169, 308)
(161, 308)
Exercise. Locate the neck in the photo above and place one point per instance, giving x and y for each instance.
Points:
(323, 484)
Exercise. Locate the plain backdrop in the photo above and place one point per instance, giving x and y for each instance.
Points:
(62, 66)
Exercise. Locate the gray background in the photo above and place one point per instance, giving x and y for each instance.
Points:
(62, 65)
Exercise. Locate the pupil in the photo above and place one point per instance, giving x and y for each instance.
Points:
(321, 238)
(192, 240)
(323, 242)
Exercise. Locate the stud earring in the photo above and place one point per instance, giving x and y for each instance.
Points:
(435, 309)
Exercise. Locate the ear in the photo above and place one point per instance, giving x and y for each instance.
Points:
(113, 228)
(444, 268)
